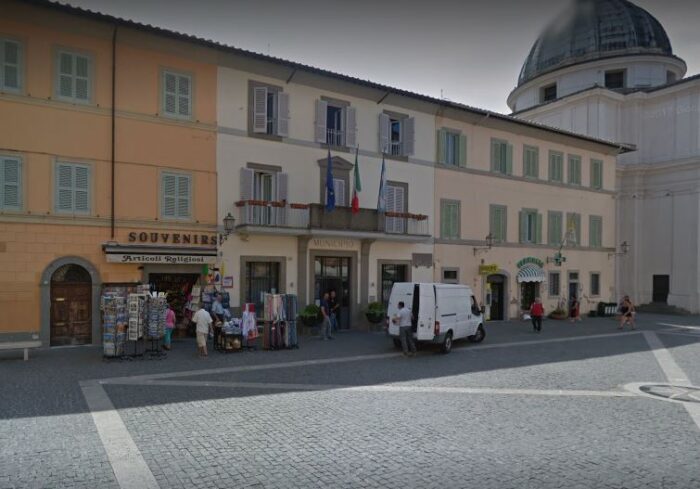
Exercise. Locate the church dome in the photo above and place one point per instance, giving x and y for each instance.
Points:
(592, 30)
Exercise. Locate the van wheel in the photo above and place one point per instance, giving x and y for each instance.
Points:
(479, 336)
(447, 343)
(397, 343)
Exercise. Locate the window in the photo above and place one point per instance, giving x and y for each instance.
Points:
(335, 131)
(573, 229)
(336, 123)
(531, 162)
(595, 231)
(261, 277)
(615, 79)
(269, 110)
(501, 157)
(74, 77)
(556, 166)
(597, 174)
(396, 201)
(498, 223)
(554, 228)
(452, 148)
(449, 219)
(450, 275)
(10, 65)
(530, 226)
(10, 183)
(574, 170)
(549, 93)
(396, 134)
(390, 274)
(176, 192)
(177, 95)
(554, 284)
(595, 284)
(72, 188)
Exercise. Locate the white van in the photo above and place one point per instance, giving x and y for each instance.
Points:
(441, 313)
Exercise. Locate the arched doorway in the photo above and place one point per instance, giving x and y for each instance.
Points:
(71, 306)
(497, 284)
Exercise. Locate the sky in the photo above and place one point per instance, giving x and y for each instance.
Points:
(468, 51)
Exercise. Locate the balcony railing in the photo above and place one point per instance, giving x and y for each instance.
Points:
(335, 137)
(396, 148)
(274, 214)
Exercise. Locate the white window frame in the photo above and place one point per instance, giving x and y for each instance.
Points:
(20, 65)
(20, 183)
(450, 280)
(190, 207)
(56, 182)
(57, 75)
(339, 131)
(190, 108)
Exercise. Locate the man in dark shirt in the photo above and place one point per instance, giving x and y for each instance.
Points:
(335, 310)
(326, 313)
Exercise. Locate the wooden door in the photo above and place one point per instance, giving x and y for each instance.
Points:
(71, 314)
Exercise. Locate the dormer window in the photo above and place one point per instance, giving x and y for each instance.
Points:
(549, 93)
(615, 79)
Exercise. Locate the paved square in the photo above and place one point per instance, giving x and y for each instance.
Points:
(517, 411)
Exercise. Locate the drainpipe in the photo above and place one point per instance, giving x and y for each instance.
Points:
(114, 97)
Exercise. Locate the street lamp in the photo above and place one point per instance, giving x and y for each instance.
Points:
(489, 244)
(624, 249)
(229, 227)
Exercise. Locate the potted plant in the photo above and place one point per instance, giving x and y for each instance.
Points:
(375, 313)
(310, 315)
(558, 313)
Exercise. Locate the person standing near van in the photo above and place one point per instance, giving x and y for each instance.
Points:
(403, 318)
(536, 313)
(326, 326)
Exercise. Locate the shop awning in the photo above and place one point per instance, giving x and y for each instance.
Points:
(531, 273)
(167, 255)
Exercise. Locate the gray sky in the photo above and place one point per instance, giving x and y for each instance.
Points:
(470, 50)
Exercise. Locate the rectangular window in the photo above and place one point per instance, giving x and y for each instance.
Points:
(595, 232)
(176, 195)
(397, 134)
(615, 79)
(554, 228)
(573, 229)
(556, 166)
(531, 162)
(549, 93)
(177, 95)
(74, 77)
(390, 274)
(595, 284)
(450, 275)
(574, 170)
(261, 277)
(396, 202)
(72, 188)
(530, 226)
(452, 148)
(554, 285)
(10, 183)
(449, 219)
(335, 129)
(269, 108)
(10, 65)
(501, 157)
(597, 174)
(498, 223)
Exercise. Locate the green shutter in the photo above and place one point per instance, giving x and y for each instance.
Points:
(495, 155)
(523, 225)
(538, 228)
(441, 143)
(443, 220)
(554, 228)
(462, 160)
(509, 159)
(596, 174)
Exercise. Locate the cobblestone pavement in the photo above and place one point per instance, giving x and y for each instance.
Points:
(518, 411)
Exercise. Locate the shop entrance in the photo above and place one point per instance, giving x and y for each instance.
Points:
(528, 292)
(498, 293)
(178, 286)
(333, 273)
(71, 306)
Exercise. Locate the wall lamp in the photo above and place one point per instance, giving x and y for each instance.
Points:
(489, 244)
(624, 249)
(229, 227)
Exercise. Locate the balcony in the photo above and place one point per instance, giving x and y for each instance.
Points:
(270, 217)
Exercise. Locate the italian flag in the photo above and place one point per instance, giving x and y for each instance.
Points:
(357, 186)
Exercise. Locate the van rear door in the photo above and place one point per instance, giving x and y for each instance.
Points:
(400, 292)
(426, 313)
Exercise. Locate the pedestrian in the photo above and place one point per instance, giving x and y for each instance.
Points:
(536, 313)
(575, 311)
(326, 326)
(335, 310)
(628, 312)
(169, 326)
(403, 319)
(203, 321)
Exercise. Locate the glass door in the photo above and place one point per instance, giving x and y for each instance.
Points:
(333, 274)
(391, 273)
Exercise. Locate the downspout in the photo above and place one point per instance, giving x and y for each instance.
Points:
(114, 97)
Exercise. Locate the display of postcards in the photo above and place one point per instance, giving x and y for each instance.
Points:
(109, 349)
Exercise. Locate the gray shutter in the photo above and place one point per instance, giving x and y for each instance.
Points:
(169, 93)
(384, 130)
(247, 183)
(10, 69)
(441, 146)
(81, 189)
(64, 188)
(495, 156)
(260, 110)
(462, 151)
(10, 183)
(169, 195)
(339, 186)
(65, 75)
(282, 186)
(509, 159)
(350, 127)
(184, 95)
(82, 77)
(408, 136)
(391, 207)
(321, 120)
(183, 196)
(283, 114)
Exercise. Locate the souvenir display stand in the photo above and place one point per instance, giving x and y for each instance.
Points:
(155, 324)
(138, 307)
(114, 319)
(279, 321)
